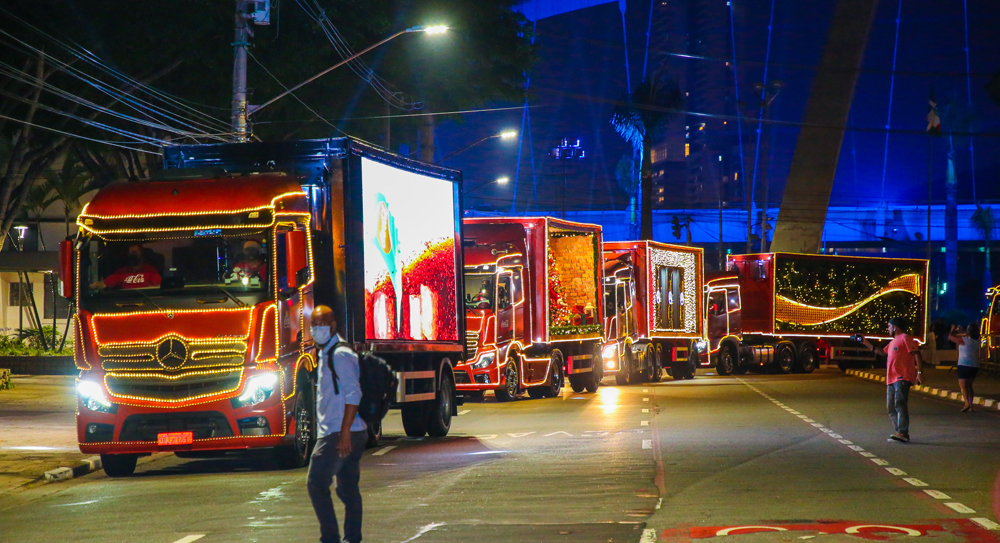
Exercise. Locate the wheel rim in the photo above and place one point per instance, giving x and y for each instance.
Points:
(808, 360)
(445, 404)
(511, 386)
(727, 361)
(786, 360)
(557, 377)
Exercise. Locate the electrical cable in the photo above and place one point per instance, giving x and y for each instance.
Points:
(77, 136)
(293, 95)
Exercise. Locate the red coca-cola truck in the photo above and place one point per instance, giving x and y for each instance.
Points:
(783, 312)
(653, 310)
(533, 308)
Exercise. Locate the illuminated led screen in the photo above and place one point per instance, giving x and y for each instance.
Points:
(409, 251)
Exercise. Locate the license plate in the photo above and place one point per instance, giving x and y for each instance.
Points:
(175, 438)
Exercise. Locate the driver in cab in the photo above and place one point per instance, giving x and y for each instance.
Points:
(251, 263)
(137, 274)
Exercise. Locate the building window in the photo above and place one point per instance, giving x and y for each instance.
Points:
(659, 153)
(19, 295)
(61, 309)
(687, 149)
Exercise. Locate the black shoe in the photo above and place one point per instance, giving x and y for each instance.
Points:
(902, 438)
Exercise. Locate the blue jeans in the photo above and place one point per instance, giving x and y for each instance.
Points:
(896, 397)
(324, 465)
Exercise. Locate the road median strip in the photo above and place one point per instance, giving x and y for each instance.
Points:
(85, 466)
(936, 392)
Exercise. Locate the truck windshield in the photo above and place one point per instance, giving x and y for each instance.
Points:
(479, 291)
(223, 268)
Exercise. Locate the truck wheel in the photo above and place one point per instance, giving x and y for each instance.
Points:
(785, 361)
(692, 368)
(624, 367)
(726, 363)
(576, 383)
(374, 435)
(119, 465)
(656, 366)
(297, 454)
(592, 380)
(439, 414)
(807, 359)
(414, 416)
(555, 385)
(512, 382)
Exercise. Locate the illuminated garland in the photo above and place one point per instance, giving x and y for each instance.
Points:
(660, 258)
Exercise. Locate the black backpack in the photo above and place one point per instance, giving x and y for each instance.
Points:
(378, 384)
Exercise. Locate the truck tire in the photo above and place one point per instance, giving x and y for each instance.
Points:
(414, 415)
(808, 359)
(439, 413)
(592, 380)
(554, 388)
(119, 465)
(374, 435)
(692, 368)
(576, 383)
(624, 374)
(512, 381)
(296, 455)
(655, 365)
(726, 362)
(784, 360)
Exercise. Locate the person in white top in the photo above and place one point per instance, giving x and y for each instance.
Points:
(968, 360)
(341, 434)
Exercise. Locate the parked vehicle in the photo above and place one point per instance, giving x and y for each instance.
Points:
(653, 310)
(775, 311)
(195, 289)
(990, 331)
(533, 308)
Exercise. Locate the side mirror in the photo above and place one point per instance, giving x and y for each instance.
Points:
(295, 256)
(66, 268)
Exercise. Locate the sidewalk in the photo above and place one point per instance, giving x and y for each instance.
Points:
(37, 429)
(942, 382)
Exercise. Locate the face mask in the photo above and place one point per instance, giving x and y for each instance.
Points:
(320, 334)
(133, 259)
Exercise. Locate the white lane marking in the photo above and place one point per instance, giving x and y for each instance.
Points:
(485, 436)
(807, 420)
(558, 432)
(647, 443)
(645, 410)
(383, 450)
(645, 390)
(801, 416)
(846, 441)
(818, 426)
(88, 502)
(856, 448)
(836, 436)
(895, 471)
(915, 482)
(644, 423)
(937, 494)
(645, 399)
(464, 411)
(424, 530)
(190, 538)
(520, 434)
(867, 454)
(879, 461)
(960, 508)
(648, 536)
(986, 523)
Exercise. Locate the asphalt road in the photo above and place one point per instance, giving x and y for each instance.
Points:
(797, 457)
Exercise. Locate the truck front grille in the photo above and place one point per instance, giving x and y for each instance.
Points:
(471, 344)
(166, 387)
(202, 424)
(214, 354)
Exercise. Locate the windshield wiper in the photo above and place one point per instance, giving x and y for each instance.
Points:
(239, 302)
(146, 296)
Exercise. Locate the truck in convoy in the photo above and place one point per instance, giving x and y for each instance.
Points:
(781, 312)
(653, 310)
(194, 292)
(989, 331)
(533, 310)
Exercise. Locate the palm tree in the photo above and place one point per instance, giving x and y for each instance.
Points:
(38, 199)
(985, 222)
(628, 180)
(69, 184)
(639, 119)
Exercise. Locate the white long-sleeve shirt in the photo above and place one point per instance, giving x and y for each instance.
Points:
(330, 406)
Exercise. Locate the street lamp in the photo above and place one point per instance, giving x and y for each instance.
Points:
(505, 135)
(503, 180)
(434, 29)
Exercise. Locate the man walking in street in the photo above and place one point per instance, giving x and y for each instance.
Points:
(341, 433)
(903, 369)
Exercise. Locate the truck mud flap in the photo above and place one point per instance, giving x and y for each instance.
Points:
(413, 386)
(572, 364)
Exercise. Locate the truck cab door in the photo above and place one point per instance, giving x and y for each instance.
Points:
(505, 308)
(733, 308)
(517, 298)
(290, 309)
(718, 325)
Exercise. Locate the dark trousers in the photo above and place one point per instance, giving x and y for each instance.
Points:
(325, 464)
(897, 396)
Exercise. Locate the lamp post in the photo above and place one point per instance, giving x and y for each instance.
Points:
(506, 135)
(502, 180)
(565, 152)
(250, 110)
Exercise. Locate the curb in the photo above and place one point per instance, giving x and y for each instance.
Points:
(936, 392)
(87, 465)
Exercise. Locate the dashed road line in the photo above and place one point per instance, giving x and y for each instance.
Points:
(985, 523)
(915, 482)
(190, 538)
(644, 423)
(383, 450)
(937, 494)
(648, 536)
(960, 508)
(895, 471)
(464, 411)
(647, 443)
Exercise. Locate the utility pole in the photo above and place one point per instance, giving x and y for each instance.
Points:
(260, 12)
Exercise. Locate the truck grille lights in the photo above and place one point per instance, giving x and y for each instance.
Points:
(92, 396)
(258, 388)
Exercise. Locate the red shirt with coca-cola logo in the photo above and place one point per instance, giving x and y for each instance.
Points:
(145, 276)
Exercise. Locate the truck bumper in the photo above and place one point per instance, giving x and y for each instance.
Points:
(214, 426)
(469, 378)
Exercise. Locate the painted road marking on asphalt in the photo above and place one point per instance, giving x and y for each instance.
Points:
(558, 432)
(645, 399)
(645, 390)
(383, 450)
(485, 436)
(986, 523)
(464, 411)
(836, 436)
(866, 454)
(644, 423)
(895, 471)
(937, 494)
(648, 536)
(915, 482)
(520, 434)
(645, 410)
(647, 443)
(190, 538)
(846, 441)
(856, 448)
(960, 508)
(818, 426)
(879, 461)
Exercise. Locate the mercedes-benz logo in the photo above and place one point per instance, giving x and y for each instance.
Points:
(171, 353)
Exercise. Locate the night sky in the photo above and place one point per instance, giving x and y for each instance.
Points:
(581, 70)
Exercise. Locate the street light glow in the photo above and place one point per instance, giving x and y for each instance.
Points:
(502, 180)
(508, 134)
(436, 29)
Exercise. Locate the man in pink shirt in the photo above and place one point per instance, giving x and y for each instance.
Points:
(902, 370)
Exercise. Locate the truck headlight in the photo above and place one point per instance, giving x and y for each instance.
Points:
(609, 351)
(484, 361)
(258, 388)
(701, 345)
(93, 398)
